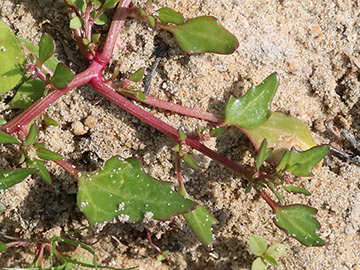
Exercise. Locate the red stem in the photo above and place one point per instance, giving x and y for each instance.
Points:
(268, 200)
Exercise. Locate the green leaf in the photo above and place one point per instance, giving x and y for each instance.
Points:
(270, 260)
(276, 250)
(12, 177)
(295, 189)
(43, 173)
(110, 4)
(200, 221)
(46, 48)
(151, 20)
(259, 264)
(137, 75)
(101, 20)
(51, 63)
(182, 135)
(76, 22)
(257, 244)
(6, 138)
(122, 190)
(28, 93)
(2, 207)
(263, 154)
(217, 131)
(299, 221)
(253, 109)
(48, 155)
(95, 38)
(33, 135)
(276, 192)
(2, 121)
(189, 159)
(2, 247)
(11, 56)
(168, 15)
(49, 121)
(62, 76)
(203, 34)
(80, 4)
(281, 132)
(162, 256)
(301, 163)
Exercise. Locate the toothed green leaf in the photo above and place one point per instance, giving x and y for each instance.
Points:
(203, 34)
(282, 132)
(301, 163)
(122, 190)
(299, 221)
(11, 56)
(253, 109)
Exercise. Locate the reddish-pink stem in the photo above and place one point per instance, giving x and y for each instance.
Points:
(268, 200)
(152, 243)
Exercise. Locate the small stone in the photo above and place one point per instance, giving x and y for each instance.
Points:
(90, 121)
(78, 128)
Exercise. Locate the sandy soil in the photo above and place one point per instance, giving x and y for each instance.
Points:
(314, 47)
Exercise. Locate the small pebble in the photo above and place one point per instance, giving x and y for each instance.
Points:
(90, 121)
(78, 128)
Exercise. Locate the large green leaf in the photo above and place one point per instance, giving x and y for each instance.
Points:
(299, 221)
(301, 163)
(282, 132)
(203, 34)
(11, 56)
(12, 177)
(253, 109)
(122, 190)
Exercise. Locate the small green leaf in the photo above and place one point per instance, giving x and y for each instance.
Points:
(6, 138)
(299, 221)
(275, 191)
(139, 94)
(270, 260)
(301, 163)
(281, 132)
(96, 3)
(12, 177)
(259, 264)
(46, 48)
(203, 34)
(122, 190)
(295, 189)
(189, 159)
(2, 121)
(263, 154)
(51, 63)
(43, 173)
(168, 15)
(217, 131)
(38, 145)
(29, 92)
(276, 250)
(11, 56)
(2, 207)
(182, 135)
(137, 75)
(49, 121)
(162, 256)
(248, 188)
(110, 4)
(48, 155)
(62, 76)
(33, 135)
(151, 20)
(101, 20)
(253, 109)
(2, 247)
(80, 4)
(200, 222)
(76, 22)
(95, 38)
(257, 244)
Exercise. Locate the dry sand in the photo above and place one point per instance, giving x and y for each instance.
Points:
(313, 45)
